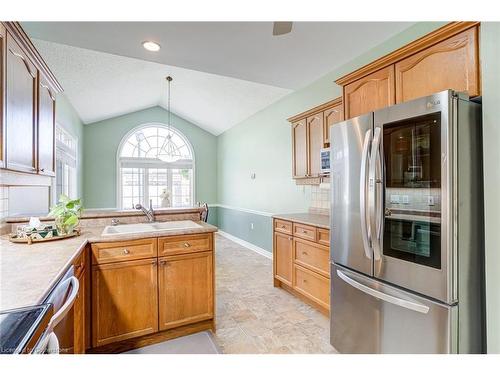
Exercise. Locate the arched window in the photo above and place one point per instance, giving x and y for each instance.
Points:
(155, 163)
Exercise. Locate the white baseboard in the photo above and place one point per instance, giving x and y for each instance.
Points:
(248, 245)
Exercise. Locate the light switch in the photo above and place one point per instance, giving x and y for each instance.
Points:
(406, 199)
(430, 200)
(394, 198)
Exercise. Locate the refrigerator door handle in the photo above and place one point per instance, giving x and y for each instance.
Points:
(375, 196)
(365, 230)
(383, 296)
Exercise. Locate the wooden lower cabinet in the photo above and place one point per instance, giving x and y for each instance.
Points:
(80, 308)
(185, 289)
(283, 249)
(301, 262)
(124, 300)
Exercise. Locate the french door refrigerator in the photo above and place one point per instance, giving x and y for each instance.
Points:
(407, 229)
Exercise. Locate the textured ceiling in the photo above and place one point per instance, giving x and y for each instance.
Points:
(244, 50)
(102, 85)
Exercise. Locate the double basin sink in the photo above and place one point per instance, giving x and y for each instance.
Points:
(111, 230)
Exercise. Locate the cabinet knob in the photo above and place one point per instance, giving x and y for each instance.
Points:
(153, 262)
(290, 238)
(304, 253)
(186, 244)
(304, 231)
(163, 262)
(283, 227)
(126, 251)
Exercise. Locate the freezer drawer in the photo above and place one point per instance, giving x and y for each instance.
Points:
(368, 316)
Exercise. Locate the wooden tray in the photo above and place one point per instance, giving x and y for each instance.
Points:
(28, 240)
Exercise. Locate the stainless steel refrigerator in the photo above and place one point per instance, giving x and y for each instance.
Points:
(407, 229)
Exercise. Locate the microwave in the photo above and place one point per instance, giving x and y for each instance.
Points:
(324, 157)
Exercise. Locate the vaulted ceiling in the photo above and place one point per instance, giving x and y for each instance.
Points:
(223, 71)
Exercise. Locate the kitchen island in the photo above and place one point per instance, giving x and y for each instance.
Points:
(153, 270)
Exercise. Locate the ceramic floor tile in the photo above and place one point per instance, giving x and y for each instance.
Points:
(253, 316)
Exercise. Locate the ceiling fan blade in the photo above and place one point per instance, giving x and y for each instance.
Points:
(280, 28)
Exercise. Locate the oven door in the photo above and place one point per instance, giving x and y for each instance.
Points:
(410, 196)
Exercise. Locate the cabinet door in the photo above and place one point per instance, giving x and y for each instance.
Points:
(315, 143)
(299, 149)
(185, 289)
(79, 308)
(20, 109)
(369, 93)
(450, 64)
(282, 257)
(2, 92)
(124, 300)
(331, 116)
(46, 128)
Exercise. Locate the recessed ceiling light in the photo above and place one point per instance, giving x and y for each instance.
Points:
(151, 46)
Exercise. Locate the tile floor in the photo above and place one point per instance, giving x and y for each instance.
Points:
(255, 317)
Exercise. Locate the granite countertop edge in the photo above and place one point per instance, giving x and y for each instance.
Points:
(317, 220)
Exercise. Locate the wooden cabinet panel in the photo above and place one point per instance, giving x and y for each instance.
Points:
(107, 252)
(80, 307)
(311, 255)
(46, 128)
(185, 291)
(283, 226)
(299, 149)
(323, 236)
(184, 244)
(124, 300)
(20, 113)
(315, 143)
(370, 93)
(331, 116)
(304, 231)
(2, 91)
(312, 285)
(450, 64)
(282, 258)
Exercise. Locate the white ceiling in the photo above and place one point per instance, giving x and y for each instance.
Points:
(244, 50)
(101, 85)
(223, 71)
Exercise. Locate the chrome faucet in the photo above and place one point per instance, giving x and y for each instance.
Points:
(150, 213)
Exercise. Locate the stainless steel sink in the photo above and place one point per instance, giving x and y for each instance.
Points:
(112, 230)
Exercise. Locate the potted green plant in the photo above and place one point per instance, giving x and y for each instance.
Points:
(66, 213)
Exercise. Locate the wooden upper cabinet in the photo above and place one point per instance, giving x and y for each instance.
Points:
(450, 64)
(124, 300)
(315, 143)
(331, 116)
(2, 91)
(185, 289)
(46, 128)
(299, 149)
(20, 113)
(369, 93)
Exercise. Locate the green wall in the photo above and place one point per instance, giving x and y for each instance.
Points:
(67, 117)
(101, 141)
(490, 67)
(262, 145)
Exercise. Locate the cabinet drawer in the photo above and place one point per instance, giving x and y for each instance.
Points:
(306, 232)
(312, 285)
(108, 252)
(184, 244)
(283, 226)
(313, 256)
(323, 236)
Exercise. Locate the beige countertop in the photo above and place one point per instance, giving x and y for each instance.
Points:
(29, 272)
(321, 221)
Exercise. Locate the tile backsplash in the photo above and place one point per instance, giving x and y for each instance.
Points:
(320, 200)
(4, 201)
(19, 200)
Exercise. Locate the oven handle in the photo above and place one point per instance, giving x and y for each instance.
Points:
(383, 296)
(365, 229)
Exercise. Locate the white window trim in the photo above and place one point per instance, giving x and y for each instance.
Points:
(150, 162)
(53, 194)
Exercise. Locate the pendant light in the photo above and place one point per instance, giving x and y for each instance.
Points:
(171, 151)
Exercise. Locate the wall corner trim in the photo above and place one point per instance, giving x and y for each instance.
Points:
(246, 244)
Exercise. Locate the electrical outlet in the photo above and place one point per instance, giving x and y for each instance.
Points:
(406, 199)
(251, 226)
(430, 200)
